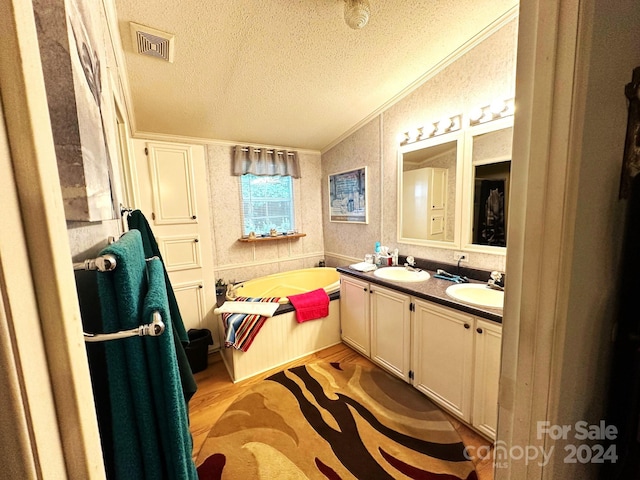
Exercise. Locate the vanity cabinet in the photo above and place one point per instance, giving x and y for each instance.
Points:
(488, 349)
(443, 357)
(451, 356)
(456, 362)
(376, 322)
(391, 330)
(354, 314)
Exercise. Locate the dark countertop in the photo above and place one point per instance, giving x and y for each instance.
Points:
(432, 290)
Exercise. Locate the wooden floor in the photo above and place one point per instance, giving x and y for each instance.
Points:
(216, 392)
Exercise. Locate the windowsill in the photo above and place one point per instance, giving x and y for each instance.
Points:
(268, 239)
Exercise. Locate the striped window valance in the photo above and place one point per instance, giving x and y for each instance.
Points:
(265, 161)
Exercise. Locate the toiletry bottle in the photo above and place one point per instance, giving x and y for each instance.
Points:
(376, 256)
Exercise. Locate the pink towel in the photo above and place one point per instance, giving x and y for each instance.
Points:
(310, 305)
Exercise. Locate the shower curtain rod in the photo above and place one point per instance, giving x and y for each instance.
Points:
(153, 329)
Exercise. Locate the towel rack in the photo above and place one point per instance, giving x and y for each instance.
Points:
(153, 329)
(124, 210)
(103, 263)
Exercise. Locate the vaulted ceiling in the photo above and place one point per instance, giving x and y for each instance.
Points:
(287, 73)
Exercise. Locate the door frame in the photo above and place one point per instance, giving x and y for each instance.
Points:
(48, 402)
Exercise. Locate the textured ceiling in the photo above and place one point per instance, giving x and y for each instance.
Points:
(286, 72)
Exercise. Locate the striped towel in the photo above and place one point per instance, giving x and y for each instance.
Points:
(242, 328)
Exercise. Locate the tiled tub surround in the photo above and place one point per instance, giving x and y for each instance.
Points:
(433, 289)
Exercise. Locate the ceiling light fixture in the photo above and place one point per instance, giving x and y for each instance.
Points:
(356, 13)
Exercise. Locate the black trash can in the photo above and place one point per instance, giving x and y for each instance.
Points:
(197, 350)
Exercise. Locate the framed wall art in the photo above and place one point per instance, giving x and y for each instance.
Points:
(81, 105)
(348, 196)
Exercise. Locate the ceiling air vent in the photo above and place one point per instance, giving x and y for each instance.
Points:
(152, 42)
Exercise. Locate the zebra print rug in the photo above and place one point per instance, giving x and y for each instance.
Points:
(333, 421)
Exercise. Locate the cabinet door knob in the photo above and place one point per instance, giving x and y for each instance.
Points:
(467, 326)
(365, 289)
(193, 217)
(196, 240)
(479, 330)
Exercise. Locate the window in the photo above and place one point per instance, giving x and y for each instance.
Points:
(267, 202)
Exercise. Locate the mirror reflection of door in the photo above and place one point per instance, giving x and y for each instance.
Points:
(491, 191)
(491, 165)
(427, 192)
(425, 203)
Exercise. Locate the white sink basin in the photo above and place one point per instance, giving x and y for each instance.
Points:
(476, 294)
(401, 274)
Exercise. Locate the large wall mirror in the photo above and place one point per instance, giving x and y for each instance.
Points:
(453, 189)
(487, 186)
(429, 182)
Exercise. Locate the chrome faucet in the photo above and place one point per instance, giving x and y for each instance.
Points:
(410, 264)
(495, 282)
(232, 290)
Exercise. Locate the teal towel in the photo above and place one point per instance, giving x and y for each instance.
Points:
(136, 220)
(141, 403)
(121, 295)
(168, 403)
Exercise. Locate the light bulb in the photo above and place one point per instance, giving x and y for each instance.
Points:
(429, 130)
(455, 123)
(497, 107)
(403, 137)
(511, 107)
(476, 114)
(444, 124)
(415, 134)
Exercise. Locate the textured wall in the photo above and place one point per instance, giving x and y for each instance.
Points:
(241, 261)
(481, 75)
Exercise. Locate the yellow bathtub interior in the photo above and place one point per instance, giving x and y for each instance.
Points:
(292, 282)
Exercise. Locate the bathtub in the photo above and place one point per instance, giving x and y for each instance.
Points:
(282, 339)
(290, 283)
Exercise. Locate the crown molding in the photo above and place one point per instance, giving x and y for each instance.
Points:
(160, 137)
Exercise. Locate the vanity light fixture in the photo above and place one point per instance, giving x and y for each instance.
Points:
(497, 109)
(431, 129)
